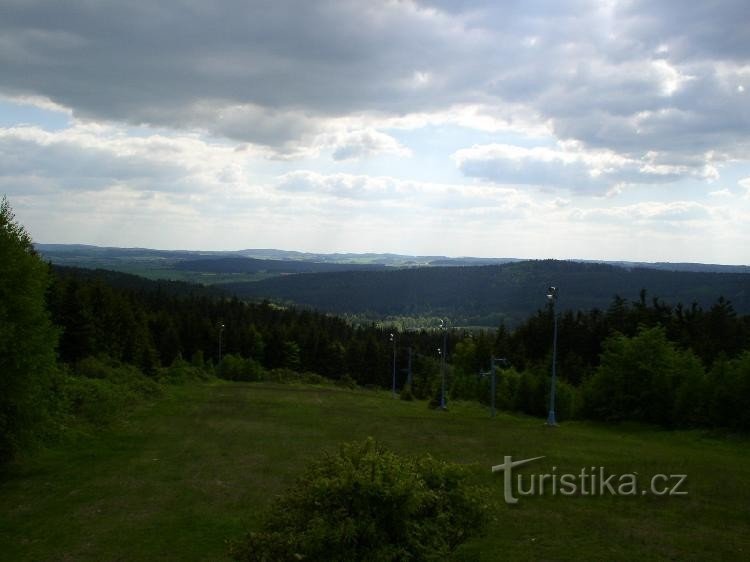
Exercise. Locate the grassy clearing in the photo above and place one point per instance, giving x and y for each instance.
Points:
(180, 476)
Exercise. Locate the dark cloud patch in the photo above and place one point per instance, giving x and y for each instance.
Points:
(635, 77)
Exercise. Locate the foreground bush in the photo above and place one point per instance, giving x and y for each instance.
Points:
(366, 503)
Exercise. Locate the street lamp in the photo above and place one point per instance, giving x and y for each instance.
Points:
(444, 328)
(221, 329)
(552, 298)
(393, 342)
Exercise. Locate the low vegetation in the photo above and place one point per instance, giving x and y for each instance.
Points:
(179, 477)
(367, 503)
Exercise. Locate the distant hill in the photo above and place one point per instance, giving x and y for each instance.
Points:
(471, 291)
(485, 295)
(136, 283)
(251, 265)
(83, 255)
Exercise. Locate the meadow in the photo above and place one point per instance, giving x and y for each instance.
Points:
(181, 476)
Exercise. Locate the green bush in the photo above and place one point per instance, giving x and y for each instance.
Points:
(532, 392)
(96, 401)
(645, 378)
(180, 371)
(366, 503)
(237, 368)
(506, 388)
(346, 381)
(730, 385)
(312, 378)
(99, 389)
(406, 393)
(123, 375)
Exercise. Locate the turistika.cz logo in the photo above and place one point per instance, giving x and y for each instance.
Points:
(590, 481)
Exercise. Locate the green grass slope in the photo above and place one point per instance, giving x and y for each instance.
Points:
(179, 477)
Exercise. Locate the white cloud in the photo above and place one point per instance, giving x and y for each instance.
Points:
(568, 165)
(720, 193)
(650, 212)
(624, 77)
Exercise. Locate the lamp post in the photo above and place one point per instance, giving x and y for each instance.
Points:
(444, 328)
(408, 371)
(552, 298)
(221, 329)
(393, 342)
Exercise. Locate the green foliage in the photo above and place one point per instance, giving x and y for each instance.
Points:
(728, 388)
(27, 339)
(99, 389)
(506, 388)
(180, 371)
(531, 393)
(367, 503)
(640, 377)
(406, 393)
(237, 368)
(346, 381)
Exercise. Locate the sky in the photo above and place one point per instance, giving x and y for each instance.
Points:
(612, 130)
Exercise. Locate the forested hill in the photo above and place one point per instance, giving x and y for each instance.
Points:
(485, 295)
(252, 265)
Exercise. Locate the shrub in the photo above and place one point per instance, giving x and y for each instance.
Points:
(96, 401)
(366, 503)
(639, 378)
(100, 388)
(180, 371)
(506, 388)
(236, 368)
(281, 375)
(406, 393)
(347, 381)
(121, 374)
(312, 378)
(532, 392)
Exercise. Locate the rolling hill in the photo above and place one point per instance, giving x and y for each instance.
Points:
(486, 295)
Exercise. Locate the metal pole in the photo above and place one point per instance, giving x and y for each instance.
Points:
(492, 385)
(442, 365)
(408, 373)
(551, 420)
(393, 340)
(221, 329)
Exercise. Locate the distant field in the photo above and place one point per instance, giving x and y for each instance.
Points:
(179, 477)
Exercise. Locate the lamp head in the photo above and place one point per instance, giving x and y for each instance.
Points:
(552, 294)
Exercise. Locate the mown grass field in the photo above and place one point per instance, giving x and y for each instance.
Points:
(179, 477)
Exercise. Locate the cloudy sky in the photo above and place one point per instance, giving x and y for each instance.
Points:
(602, 130)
